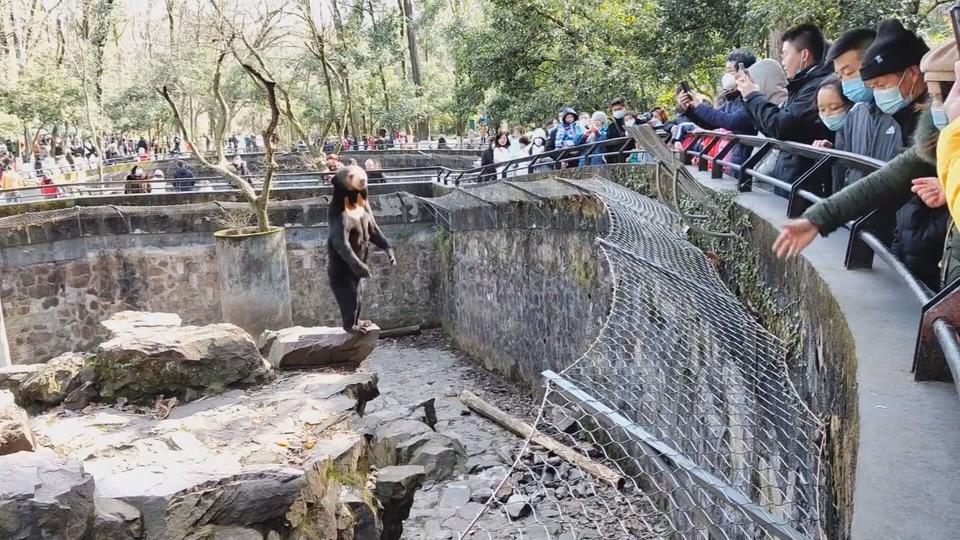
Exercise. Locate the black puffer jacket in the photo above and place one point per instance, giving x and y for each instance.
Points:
(797, 120)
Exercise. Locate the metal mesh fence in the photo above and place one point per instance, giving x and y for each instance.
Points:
(683, 399)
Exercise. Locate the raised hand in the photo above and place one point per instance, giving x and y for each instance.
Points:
(930, 191)
(796, 235)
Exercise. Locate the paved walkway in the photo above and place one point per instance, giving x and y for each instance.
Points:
(907, 476)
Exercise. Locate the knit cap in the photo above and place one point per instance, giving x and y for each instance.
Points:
(894, 50)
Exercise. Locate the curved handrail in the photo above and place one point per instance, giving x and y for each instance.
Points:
(944, 333)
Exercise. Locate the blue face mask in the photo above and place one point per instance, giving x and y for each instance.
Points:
(890, 100)
(834, 122)
(939, 117)
(856, 91)
(619, 113)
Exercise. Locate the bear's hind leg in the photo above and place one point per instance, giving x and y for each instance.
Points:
(347, 294)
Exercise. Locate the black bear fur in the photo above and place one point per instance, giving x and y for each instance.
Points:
(352, 229)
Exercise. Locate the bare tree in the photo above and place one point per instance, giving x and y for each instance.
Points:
(258, 201)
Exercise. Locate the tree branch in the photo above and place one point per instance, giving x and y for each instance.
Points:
(245, 188)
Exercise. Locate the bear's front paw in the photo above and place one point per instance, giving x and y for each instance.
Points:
(362, 271)
(392, 257)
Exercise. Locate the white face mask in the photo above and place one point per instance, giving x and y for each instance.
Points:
(629, 122)
(728, 82)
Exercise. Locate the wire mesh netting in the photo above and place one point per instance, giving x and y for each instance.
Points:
(682, 404)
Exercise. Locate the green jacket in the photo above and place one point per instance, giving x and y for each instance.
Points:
(889, 187)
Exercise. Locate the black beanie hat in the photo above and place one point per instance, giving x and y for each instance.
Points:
(894, 50)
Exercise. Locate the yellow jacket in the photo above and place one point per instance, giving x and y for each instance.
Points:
(948, 167)
(10, 180)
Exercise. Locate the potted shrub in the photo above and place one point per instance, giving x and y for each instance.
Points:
(252, 260)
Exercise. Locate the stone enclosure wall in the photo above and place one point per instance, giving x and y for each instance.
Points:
(62, 277)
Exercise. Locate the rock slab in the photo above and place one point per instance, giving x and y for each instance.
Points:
(12, 376)
(15, 433)
(176, 361)
(44, 496)
(395, 489)
(133, 321)
(53, 381)
(301, 347)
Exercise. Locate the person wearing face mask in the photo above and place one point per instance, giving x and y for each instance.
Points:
(569, 133)
(891, 69)
(615, 130)
(538, 142)
(920, 225)
(868, 130)
(797, 119)
(834, 107)
(595, 132)
(584, 121)
(732, 115)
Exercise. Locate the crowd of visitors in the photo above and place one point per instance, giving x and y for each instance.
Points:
(880, 93)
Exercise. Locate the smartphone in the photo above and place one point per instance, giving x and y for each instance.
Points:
(955, 19)
(685, 87)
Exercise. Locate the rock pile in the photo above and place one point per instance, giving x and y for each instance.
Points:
(294, 457)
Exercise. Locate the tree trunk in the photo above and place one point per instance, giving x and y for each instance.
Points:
(423, 127)
(170, 21)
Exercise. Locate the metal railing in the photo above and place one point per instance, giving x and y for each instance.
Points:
(931, 362)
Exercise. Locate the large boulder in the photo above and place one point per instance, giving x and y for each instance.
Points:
(177, 361)
(175, 501)
(44, 496)
(132, 321)
(15, 433)
(317, 346)
(412, 442)
(53, 381)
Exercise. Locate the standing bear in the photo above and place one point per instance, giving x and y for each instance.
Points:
(352, 229)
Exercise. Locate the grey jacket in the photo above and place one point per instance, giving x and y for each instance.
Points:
(868, 132)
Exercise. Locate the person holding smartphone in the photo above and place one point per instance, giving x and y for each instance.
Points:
(732, 115)
(798, 119)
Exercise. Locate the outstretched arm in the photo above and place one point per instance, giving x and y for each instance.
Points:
(339, 238)
(378, 239)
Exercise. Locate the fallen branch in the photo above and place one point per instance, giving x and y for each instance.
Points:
(522, 429)
(400, 332)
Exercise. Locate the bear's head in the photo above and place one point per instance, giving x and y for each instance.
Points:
(350, 181)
